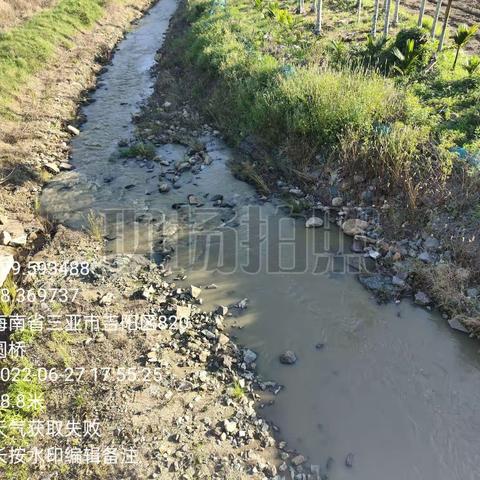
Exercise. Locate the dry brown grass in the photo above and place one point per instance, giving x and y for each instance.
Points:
(15, 12)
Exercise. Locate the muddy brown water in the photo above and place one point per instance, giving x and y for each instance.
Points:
(393, 385)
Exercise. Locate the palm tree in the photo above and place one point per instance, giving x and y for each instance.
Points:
(463, 35)
(318, 23)
(376, 8)
(436, 17)
(422, 12)
(441, 43)
(396, 15)
(386, 27)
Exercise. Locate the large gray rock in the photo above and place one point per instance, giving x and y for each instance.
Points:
(288, 357)
(354, 226)
(456, 324)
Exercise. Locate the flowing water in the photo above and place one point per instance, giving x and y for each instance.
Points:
(393, 385)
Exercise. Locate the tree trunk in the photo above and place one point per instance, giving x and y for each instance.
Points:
(436, 17)
(301, 6)
(422, 13)
(376, 8)
(445, 25)
(386, 28)
(318, 24)
(396, 16)
(359, 11)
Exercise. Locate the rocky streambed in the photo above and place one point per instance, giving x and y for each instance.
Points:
(360, 390)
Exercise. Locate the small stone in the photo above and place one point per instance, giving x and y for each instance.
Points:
(349, 460)
(223, 339)
(288, 358)
(296, 192)
(422, 299)
(52, 167)
(398, 282)
(148, 292)
(5, 237)
(298, 460)
(193, 200)
(183, 312)
(314, 222)
(354, 226)
(164, 187)
(357, 247)
(106, 299)
(222, 310)
(425, 257)
(230, 427)
(431, 243)
(195, 292)
(65, 166)
(242, 304)
(249, 356)
(73, 130)
(472, 292)
(337, 202)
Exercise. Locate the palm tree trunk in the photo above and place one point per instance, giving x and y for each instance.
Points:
(301, 6)
(386, 28)
(456, 57)
(396, 15)
(422, 13)
(445, 25)
(359, 10)
(376, 8)
(318, 24)
(436, 17)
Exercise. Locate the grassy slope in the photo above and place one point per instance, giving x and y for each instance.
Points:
(26, 49)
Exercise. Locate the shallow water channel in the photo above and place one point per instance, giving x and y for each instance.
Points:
(393, 385)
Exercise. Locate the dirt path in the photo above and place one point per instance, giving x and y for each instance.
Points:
(465, 11)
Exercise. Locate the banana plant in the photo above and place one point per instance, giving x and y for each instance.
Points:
(461, 38)
(473, 65)
(408, 59)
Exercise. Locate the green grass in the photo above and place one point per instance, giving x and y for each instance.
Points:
(343, 99)
(26, 49)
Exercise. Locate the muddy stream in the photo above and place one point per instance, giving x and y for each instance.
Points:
(393, 385)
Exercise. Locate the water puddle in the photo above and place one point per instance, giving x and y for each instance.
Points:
(393, 385)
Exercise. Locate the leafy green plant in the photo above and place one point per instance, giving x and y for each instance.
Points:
(375, 46)
(472, 65)
(95, 225)
(462, 37)
(237, 391)
(8, 295)
(142, 150)
(406, 60)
